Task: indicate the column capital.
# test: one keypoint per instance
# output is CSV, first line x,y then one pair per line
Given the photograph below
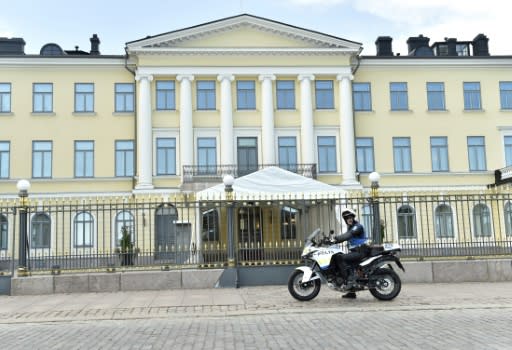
x,y
302,77
228,77
262,77
344,76
181,77
139,77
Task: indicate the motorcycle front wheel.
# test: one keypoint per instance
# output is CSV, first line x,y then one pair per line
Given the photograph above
x,y
302,291
385,284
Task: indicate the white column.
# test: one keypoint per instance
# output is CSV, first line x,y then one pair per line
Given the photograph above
x,y
186,126
267,119
347,132
144,134
306,116
226,120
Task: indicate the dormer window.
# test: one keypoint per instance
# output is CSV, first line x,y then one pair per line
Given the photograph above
x,y
51,50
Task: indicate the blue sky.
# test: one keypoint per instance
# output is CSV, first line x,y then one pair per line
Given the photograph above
x,y
71,22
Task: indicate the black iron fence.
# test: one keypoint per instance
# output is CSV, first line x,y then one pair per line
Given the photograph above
x,y
177,231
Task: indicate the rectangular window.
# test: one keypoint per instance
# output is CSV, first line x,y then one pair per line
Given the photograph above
x,y
5,97
84,97
5,155
435,97
206,95
402,154
398,93
42,159
125,97
362,96
364,155
287,153
439,153
207,155
84,158
506,94
326,154
472,99
245,94
124,158
476,153
508,150
324,90
165,95
42,98
285,91
166,156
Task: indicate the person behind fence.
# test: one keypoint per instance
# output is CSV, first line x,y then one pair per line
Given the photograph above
x,y
358,246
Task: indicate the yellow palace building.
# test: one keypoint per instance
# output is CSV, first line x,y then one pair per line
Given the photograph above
x,y
179,110
246,91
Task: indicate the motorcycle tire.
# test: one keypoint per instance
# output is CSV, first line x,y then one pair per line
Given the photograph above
x,y
302,291
385,284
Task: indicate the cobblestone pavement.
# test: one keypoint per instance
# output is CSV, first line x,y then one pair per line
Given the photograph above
x,y
424,316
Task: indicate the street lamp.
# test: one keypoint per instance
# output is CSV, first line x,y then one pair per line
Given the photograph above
x,y
232,272
374,178
23,186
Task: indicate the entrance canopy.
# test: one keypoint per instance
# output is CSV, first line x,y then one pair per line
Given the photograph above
x,y
273,183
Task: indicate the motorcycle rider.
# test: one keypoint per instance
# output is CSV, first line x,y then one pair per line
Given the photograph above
x,y
358,246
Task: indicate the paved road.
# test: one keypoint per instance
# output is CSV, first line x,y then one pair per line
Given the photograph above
x,y
424,316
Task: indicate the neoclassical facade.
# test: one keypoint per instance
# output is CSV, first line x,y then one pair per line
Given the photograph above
x,y
183,108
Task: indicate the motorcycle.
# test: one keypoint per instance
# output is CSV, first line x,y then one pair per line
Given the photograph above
x,y
374,272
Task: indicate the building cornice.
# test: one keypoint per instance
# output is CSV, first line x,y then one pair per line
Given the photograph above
x,y
240,71
415,62
229,51
38,61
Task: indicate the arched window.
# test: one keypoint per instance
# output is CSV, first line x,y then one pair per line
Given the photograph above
x,y
406,222
40,233
481,221
124,218
444,221
3,231
83,229
508,218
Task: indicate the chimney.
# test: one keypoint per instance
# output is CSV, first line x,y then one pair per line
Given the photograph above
x,y
414,43
12,46
480,45
384,47
451,43
95,45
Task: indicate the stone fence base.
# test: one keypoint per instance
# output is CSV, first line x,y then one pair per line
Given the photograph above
x,y
447,271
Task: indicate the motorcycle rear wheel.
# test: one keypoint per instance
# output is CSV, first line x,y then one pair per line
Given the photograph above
x,y
302,291
385,284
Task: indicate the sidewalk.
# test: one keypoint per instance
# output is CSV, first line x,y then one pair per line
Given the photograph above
x,y
235,302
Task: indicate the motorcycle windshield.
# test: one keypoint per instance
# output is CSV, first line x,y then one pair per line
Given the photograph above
x,y
312,236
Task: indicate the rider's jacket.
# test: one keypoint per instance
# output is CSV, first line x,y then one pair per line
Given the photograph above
x,y
355,235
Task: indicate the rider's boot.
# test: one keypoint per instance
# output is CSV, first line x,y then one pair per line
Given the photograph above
x,y
349,295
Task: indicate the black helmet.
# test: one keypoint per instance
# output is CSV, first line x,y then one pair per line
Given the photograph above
x,y
348,213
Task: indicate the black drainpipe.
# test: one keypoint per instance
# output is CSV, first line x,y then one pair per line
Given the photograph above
x,y
126,56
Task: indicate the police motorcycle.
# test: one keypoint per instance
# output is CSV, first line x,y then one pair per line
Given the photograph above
x,y
374,273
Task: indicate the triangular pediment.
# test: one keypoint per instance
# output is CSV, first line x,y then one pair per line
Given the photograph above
x,y
243,32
